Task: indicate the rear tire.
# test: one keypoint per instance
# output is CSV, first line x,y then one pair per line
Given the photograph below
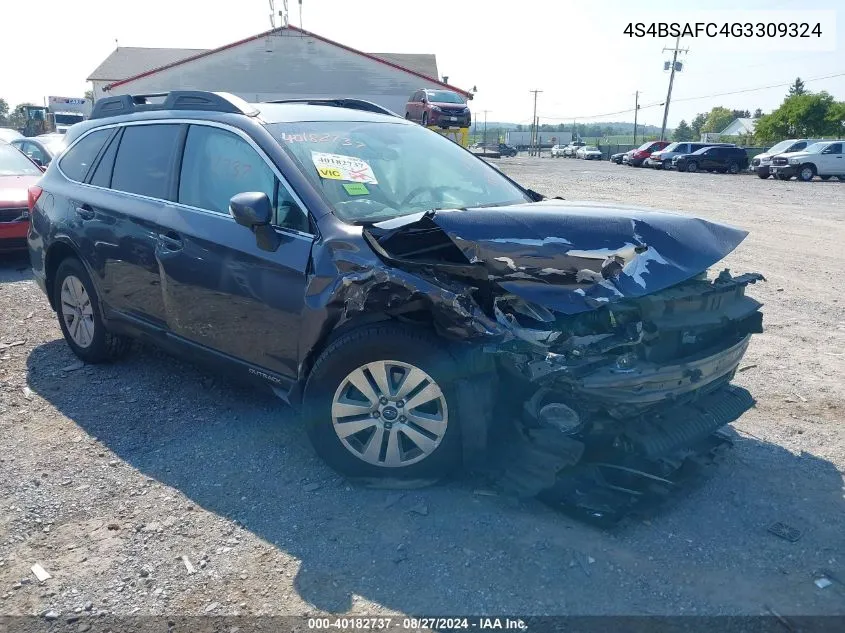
x,y
763,175
733,168
825,177
78,309
422,440
692,167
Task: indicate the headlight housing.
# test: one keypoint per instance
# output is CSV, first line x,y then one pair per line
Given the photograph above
x,y
794,161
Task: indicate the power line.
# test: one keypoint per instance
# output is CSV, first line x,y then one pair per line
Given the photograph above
x,y
698,98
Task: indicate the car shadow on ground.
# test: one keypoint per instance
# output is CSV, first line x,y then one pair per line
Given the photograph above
x,y
240,453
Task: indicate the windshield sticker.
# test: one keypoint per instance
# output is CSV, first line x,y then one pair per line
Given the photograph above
x,y
321,138
340,167
356,189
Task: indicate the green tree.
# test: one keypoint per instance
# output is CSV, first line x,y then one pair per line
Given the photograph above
x,y
4,111
718,119
805,115
797,88
698,124
741,114
683,132
758,113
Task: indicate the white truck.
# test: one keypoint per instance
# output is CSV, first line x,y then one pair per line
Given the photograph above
x,y
67,111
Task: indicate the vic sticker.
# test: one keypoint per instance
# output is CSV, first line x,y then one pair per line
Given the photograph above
x,y
340,167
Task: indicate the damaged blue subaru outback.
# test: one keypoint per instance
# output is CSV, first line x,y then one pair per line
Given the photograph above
x,y
412,301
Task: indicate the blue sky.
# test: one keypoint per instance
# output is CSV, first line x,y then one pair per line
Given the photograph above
x,y
575,51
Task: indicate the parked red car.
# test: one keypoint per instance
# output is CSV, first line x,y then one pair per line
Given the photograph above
x,y
443,108
17,174
638,156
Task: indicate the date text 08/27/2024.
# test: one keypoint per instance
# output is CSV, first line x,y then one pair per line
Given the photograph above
x,y
416,623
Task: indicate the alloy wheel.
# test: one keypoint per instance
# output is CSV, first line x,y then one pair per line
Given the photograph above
x,y
77,311
389,413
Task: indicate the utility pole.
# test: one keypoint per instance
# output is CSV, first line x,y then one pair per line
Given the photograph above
x,y
485,128
636,111
675,52
534,121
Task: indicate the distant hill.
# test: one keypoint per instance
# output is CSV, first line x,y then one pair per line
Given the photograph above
x,y
612,128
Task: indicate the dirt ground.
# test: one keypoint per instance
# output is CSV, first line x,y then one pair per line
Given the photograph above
x,y
154,487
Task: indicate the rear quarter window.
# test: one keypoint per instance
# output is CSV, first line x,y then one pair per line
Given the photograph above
x,y
79,158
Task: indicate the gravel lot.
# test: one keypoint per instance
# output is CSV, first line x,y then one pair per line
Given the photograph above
x,y
153,487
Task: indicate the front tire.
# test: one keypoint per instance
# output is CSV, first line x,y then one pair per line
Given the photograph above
x,y
692,167
733,168
78,309
806,173
380,402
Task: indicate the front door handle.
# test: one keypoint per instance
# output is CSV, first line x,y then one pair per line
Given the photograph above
x,y
85,212
171,241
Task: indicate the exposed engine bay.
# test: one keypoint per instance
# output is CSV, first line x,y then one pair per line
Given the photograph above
x,y
598,329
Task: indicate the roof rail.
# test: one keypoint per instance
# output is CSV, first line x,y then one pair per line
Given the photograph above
x,y
174,100
341,102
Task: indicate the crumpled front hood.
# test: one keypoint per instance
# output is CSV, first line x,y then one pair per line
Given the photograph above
x,y
567,256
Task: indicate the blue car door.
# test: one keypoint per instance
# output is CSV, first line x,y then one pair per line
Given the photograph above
x,y
221,291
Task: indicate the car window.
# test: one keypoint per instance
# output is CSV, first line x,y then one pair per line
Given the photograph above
x,y
145,159
835,148
103,171
33,151
218,164
78,160
798,146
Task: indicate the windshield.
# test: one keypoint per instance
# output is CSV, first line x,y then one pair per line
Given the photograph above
x,y
781,147
670,147
13,163
374,171
815,148
8,134
591,148
443,96
68,119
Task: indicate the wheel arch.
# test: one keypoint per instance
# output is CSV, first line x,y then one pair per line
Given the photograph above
x,y
57,252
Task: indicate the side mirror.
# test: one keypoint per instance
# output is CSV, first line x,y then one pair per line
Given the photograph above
x,y
253,210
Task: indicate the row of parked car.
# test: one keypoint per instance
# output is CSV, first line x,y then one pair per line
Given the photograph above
x,y
799,158
576,149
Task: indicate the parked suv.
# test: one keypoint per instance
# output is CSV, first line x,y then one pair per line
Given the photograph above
x,y
441,108
384,280
662,159
722,159
761,163
823,159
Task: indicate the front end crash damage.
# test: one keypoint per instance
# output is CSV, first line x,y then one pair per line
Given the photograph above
x,y
612,346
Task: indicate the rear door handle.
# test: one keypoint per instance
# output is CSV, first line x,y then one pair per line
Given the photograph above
x,y
171,241
85,212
